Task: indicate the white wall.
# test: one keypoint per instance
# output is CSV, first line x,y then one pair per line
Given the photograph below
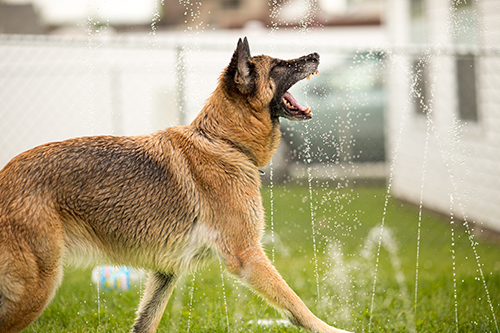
x,y
459,170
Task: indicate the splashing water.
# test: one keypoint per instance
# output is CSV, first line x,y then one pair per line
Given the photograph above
x,y
98,305
312,210
384,213
454,196
224,292
155,20
91,46
454,268
192,11
426,106
190,305
341,272
271,218
450,162
383,237
91,30
303,22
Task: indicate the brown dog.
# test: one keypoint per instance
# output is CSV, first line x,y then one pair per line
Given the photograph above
x,y
164,202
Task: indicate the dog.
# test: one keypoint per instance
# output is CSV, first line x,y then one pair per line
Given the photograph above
x,y
165,202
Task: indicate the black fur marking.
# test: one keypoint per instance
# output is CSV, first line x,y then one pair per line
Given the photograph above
x,y
239,75
286,73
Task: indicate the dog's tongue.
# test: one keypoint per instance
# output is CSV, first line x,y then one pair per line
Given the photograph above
x,y
289,97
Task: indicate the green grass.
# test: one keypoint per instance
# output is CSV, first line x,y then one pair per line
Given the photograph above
x,y
207,300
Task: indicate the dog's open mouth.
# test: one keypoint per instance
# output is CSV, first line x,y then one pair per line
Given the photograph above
x,y
297,111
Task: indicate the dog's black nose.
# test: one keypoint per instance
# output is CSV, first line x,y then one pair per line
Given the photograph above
x,y
313,57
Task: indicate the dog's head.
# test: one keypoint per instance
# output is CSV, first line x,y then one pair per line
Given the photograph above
x,y
264,81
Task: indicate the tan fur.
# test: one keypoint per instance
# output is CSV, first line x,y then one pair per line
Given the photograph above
x,y
165,202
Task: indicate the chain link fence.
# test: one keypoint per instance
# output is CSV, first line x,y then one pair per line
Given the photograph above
x,y
54,88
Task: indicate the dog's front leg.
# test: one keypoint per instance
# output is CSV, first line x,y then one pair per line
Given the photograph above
x,y
254,268
158,290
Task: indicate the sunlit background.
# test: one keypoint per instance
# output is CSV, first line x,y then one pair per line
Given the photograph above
x,y
407,100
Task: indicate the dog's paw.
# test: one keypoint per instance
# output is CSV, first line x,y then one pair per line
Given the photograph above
x,y
329,329
336,330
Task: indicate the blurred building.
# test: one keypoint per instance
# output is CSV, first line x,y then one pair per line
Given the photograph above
x,y
36,16
444,106
19,19
230,14
223,14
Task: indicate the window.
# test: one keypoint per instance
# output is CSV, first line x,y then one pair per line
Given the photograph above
x,y
231,4
465,32
418,35
466,84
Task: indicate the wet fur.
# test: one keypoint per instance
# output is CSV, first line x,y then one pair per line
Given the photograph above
x,y
164,202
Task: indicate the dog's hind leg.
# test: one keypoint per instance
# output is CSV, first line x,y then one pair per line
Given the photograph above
x,y
27,284
255,269
158,290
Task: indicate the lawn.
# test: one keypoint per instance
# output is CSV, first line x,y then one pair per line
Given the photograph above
x,y
335,273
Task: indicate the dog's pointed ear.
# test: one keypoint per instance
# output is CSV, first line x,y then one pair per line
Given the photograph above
x,y
240,58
